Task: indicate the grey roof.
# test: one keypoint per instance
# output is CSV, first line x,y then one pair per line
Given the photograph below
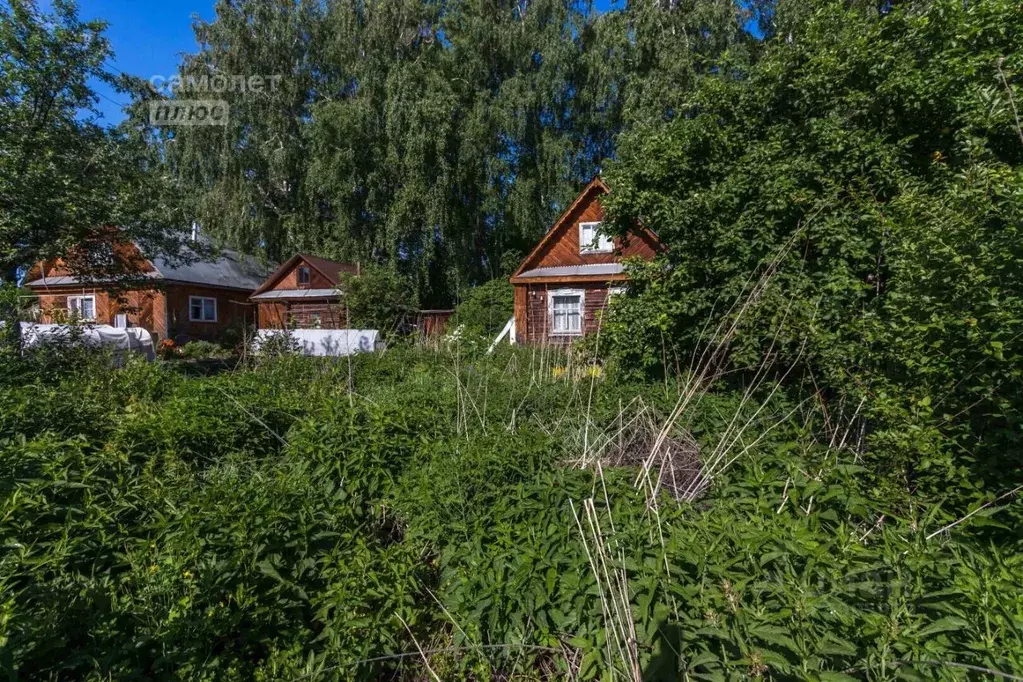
x,y
576,270
231,270
295,293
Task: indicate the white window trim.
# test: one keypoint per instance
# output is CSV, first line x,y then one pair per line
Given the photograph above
x,y
202,306
71,310
581,293
583,248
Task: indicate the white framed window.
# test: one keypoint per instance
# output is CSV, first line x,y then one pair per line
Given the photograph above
x,y
83,307
591,241
202,309
565,308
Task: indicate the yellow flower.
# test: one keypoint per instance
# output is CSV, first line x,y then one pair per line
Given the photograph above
x,y
153,568
558,372
187,574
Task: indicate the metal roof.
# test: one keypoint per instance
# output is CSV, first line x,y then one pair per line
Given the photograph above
x,y
593,269
295,293
231,270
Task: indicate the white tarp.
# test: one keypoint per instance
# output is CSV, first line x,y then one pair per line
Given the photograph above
x,y
325,342
99,335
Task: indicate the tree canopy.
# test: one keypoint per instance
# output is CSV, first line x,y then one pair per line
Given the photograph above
x,y
64,177
439,139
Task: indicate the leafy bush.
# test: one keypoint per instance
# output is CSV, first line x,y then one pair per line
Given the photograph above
x,y
485,309
291,520
881,206
376,299
203,350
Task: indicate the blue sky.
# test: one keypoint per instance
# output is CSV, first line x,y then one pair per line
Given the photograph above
x,y
148,37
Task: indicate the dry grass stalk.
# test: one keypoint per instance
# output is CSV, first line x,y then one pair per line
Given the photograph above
x,y
607,561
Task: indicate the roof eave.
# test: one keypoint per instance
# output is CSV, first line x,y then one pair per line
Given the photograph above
x,y
554,279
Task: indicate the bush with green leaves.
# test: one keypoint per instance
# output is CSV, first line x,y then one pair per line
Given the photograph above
x,y
485,309
311,518
203,350
376,298
870,169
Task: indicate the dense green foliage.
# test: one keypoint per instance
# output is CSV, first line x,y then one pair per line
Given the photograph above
x,y
376,299
434,137
485,309
874,167
852,182
63,175
292,520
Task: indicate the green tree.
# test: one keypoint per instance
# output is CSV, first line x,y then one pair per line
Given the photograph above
x,y
880,157
430,137
64,178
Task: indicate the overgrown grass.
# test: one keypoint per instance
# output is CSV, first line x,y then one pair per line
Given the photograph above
x,y
426,515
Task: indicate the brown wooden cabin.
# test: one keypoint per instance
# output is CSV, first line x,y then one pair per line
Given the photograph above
x,y
303,294
563,285
200,300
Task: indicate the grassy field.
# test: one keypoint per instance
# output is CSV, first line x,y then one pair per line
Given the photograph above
x,y
426,515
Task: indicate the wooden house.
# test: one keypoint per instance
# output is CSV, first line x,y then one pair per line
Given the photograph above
x,y
303,294
200,300
563,285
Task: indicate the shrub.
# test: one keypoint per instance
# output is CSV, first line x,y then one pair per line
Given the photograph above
x,y
203,350
377,299
485,309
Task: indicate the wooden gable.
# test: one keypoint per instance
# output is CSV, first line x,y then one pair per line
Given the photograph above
x,y
560,246
323,274
128,256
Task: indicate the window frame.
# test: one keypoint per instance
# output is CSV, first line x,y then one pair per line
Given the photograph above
x,y
598,245
551,325
202,308
80,298
304,270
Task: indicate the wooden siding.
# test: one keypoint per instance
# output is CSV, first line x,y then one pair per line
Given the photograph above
x,y
299,314
560,247
143,308
289,280
563,248
233,312
537,322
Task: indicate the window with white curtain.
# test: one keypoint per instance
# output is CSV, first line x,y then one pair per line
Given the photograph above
x,y
566,312
202,309
83,307
590,241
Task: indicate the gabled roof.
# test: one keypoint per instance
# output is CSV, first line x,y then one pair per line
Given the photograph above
x,y
231,270
595,185
590,272
330,269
